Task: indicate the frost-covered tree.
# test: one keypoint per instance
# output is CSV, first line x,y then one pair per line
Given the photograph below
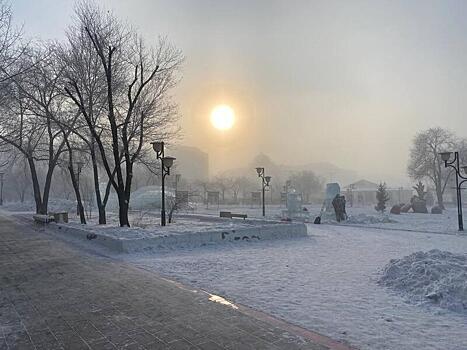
x,y
382,197
425,162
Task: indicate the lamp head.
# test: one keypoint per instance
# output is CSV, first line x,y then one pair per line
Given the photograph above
x,y
260,171
158,146
167,162
445,156
267,179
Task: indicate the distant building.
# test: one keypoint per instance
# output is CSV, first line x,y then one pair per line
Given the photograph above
x,y
191,163
363,193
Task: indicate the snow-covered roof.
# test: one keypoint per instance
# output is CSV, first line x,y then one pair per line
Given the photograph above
x,y
363,185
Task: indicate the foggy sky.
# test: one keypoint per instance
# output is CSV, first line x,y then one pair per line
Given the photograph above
x,y
348,82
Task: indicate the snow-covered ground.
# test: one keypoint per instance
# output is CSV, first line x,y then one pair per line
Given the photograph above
x,y
327,282
358,216
363,216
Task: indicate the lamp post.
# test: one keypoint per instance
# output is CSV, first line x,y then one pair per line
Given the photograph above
x,y
1,188
288,183
265,180
79,166
166,164
445,157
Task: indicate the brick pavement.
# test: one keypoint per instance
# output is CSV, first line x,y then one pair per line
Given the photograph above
x,y
56,296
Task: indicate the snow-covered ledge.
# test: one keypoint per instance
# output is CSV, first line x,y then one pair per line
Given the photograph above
x,y
203,231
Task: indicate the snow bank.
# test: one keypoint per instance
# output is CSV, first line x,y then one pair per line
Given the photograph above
x,y
362,219
369,219
438,277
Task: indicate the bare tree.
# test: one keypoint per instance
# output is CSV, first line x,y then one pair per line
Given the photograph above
x,y
139,107
83,69
425,162
223,183
11,49
307,183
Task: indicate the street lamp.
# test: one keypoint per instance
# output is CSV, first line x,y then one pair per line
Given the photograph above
x,y
265,180
1,188
79,166
445,157
288,183
166,164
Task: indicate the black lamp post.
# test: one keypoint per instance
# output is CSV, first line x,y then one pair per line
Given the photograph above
x,y
445,156
1,188
288,183
166,164
79,166
265,180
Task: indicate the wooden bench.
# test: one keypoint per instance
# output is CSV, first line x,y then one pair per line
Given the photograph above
x,y
228,214
42,219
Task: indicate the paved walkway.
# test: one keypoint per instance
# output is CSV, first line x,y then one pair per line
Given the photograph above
x,y
55,296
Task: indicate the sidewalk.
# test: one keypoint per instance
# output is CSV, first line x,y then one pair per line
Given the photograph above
x,y
54,296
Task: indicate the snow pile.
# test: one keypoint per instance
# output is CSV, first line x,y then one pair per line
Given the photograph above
x,y
369,219
436,276
364,219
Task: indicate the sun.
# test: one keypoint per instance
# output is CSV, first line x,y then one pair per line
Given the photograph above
x,y
222,117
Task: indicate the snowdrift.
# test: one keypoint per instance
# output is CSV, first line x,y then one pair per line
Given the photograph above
x,y
360,219
437,277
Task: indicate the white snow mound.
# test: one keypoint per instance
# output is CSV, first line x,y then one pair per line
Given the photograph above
x,y
369,219
436,276
361,219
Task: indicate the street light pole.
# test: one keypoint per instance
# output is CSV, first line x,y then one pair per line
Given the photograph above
x,y
265,180
445,156
287,185
166,164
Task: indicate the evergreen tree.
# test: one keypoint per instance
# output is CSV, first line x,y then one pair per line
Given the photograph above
x,y
382,197
420,189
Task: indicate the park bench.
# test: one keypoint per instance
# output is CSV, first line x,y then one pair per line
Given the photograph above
x,y
42,219
228,214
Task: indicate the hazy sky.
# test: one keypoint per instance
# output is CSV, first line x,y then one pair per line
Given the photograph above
x,y
349,82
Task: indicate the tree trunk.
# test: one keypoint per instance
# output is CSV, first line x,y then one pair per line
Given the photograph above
x,y
75,184
439,195
123,203
47,185
35,186
100,204
102,214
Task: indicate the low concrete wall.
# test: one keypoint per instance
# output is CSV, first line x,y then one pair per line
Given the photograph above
x,y
86,233
193,239
257,232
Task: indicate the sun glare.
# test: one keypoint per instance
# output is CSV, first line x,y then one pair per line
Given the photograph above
x,y
222,117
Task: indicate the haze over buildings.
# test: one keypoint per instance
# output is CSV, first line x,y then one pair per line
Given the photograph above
x,y
310,81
